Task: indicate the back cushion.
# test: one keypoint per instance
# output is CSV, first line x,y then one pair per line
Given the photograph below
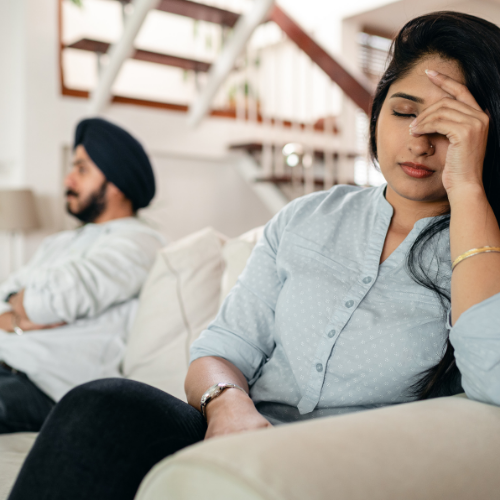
x,y
235,254
177,302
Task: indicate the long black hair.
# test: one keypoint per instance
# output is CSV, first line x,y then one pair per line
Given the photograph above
x,y
474,44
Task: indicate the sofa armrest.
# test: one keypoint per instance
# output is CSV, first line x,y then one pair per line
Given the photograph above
x,y
447,448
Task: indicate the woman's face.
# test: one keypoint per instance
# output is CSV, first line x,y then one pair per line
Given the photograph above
x,y
413,166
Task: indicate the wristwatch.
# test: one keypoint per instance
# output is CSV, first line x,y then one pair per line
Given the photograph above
x,y
213,392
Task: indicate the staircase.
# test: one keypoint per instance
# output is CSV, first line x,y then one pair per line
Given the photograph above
x,y
284,89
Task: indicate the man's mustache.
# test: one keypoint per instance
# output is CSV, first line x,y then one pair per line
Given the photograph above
x,y
70,192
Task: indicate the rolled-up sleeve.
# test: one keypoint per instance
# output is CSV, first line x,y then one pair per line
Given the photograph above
x,y
112,272
243,331
476,339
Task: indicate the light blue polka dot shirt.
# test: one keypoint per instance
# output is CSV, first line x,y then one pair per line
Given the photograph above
x,y
319,327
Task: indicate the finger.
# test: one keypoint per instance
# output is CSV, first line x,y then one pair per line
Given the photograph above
x,y
450,114
456,89
454,131
449,103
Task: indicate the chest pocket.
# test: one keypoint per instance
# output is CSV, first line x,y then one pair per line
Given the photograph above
x,y
319,257
314,258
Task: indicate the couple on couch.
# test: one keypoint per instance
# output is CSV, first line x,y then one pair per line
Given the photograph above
x,y
353,299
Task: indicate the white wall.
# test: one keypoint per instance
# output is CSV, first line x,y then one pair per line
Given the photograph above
x,y
194,193
11,95
11,104
393,16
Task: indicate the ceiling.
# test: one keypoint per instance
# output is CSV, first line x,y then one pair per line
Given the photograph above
x,y
391,17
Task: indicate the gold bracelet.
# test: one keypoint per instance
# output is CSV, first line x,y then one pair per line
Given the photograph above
x,y
471,253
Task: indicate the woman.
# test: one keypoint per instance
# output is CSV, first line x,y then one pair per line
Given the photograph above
x,y
344,303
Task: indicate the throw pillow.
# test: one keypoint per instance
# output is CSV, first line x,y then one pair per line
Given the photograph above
x,y
236,253
178,300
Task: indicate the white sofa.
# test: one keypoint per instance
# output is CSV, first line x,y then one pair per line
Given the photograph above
x,y
441,449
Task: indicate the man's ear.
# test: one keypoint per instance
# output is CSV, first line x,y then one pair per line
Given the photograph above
x,y
113,192
115,195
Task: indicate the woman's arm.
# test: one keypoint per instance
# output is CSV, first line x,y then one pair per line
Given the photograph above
x,y
473,225
230,412
475,288
238,343
475,284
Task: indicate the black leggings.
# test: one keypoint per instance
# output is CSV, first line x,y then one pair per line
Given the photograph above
x,y
23,406
101,440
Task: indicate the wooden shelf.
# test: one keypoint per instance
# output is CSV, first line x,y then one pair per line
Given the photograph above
x,y
198,11
142,55
338,74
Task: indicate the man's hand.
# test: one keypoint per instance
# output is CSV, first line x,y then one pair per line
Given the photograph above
x,y
6,322
231,412
21,318
16,302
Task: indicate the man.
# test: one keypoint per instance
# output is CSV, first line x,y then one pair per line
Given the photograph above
x,y
65,315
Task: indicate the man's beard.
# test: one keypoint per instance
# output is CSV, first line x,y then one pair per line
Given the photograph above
x,y
95,206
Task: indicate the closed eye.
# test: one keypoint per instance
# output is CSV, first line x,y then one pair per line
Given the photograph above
x,y
395,113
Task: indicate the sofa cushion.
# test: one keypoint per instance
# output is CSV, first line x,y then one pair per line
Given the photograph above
x,y
445,448
13,450
178,300
235,253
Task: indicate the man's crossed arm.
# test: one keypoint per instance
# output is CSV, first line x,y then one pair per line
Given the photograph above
x,y
17,317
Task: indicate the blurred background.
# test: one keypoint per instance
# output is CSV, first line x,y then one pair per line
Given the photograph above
x,y
242,105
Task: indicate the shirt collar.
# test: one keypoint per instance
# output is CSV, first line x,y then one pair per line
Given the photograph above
x,y
387,211
121,220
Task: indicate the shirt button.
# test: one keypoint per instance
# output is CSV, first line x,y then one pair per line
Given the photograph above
x,y
349,303
331,333
367,279
319,367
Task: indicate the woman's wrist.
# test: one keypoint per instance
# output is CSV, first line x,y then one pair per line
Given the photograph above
x,y
229,401
465,194
473,223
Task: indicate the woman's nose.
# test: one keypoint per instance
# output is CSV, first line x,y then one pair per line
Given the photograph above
x,y
421,146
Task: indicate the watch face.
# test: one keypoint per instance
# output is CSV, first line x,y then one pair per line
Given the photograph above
x,y
213,391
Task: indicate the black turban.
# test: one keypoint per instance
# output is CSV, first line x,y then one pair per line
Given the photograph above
x,y
120,157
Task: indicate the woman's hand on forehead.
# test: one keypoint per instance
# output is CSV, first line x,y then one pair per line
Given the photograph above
x,y
464,123
456,89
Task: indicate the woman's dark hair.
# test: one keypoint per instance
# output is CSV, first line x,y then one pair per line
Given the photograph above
x,y
474,44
